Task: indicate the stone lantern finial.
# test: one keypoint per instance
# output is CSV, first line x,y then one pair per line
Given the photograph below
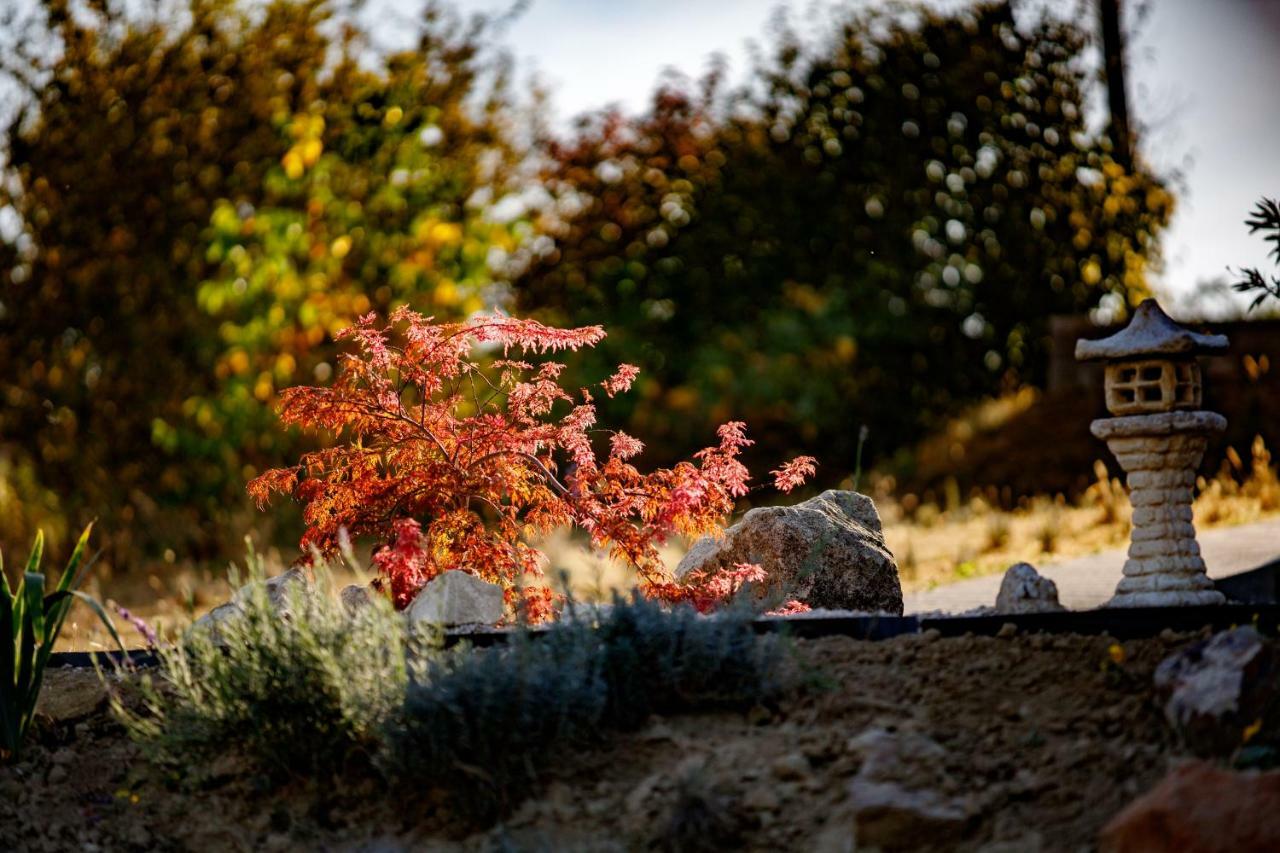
x,y
1159,435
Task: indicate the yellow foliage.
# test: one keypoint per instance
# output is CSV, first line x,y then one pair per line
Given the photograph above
x,y
293,165
310,151
445,233
1091,272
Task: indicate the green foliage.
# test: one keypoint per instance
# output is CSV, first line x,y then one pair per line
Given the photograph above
x,y
481,724
1265,218
206,190
30,621
875,230
326,690
296,695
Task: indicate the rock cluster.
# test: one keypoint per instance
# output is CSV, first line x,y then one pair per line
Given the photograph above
x,y
453,599
828,552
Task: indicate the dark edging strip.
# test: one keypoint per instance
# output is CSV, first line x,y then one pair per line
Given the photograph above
x,y
1123,624
1128,623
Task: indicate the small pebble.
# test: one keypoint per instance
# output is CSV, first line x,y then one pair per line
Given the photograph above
x,y
1007,630
791,766
762,799
931,636
57,775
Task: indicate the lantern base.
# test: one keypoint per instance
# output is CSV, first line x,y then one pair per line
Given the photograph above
x,y
1170,598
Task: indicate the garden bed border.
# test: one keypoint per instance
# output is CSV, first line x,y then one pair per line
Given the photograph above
x,y
1121,623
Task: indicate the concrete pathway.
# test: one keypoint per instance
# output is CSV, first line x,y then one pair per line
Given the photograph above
x,y
1087,582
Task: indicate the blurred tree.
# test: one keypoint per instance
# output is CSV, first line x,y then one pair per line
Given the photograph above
x,y
203,196
873,231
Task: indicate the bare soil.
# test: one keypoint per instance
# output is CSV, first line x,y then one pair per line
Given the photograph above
x,y
1045,739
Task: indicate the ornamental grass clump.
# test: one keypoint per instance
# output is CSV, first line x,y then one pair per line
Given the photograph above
x,y
298,687
481,725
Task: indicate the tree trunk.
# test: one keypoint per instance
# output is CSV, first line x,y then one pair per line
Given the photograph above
x,y
1117,100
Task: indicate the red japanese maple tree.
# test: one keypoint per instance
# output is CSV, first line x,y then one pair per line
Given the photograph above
x,y
455,449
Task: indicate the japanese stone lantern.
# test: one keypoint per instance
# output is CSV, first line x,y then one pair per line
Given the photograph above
x,y
1158,435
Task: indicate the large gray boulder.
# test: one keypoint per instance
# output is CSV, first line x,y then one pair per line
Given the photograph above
x,y
828,552
457,598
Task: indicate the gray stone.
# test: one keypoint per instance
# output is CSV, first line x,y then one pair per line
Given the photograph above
x,y
217,618
1024,590
355,597
277,588
828,552
791,766
897,756
69,694
1215,689
457,598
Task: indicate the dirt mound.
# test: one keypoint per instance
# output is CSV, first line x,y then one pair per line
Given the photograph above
x,y
1039,739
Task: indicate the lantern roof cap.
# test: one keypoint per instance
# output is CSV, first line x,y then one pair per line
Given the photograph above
x,y
1150,332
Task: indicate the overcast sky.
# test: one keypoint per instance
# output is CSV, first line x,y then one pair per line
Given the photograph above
x,y
1205,79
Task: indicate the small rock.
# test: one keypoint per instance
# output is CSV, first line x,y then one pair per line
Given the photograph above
x,y
1024,590
1214,689
63,757
893,817
1032,842
1007,630
931,636
70,694
139,836
896,756
1199,807
791,766
828,552
762,799
217,618
599,808
457,598
355,597
277,587
637,801
57,774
